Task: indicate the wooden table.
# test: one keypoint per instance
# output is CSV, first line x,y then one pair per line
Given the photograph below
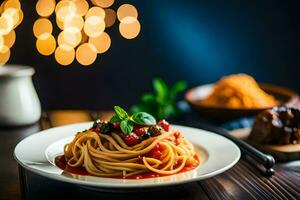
x,y
243,181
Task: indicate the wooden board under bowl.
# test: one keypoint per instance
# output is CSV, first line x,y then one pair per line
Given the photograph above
x,y
280,152
195,95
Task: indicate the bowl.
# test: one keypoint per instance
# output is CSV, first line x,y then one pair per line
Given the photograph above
x,y
195,95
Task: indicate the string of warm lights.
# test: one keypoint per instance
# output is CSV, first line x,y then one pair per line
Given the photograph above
x,y
82,27
11,16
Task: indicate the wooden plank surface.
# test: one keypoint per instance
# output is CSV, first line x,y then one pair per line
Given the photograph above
x,y
243,181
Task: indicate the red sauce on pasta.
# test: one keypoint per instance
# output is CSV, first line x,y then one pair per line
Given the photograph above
x,y
61,162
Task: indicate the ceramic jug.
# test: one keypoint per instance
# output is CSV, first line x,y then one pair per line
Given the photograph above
x,y
19,103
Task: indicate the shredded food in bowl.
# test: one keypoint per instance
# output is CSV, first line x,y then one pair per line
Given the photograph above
x,y
239,91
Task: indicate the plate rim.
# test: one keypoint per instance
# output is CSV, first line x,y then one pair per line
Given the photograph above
x,y
125,186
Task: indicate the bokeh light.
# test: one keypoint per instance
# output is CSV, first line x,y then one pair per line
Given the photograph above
x,y
13,14
4,49
4,55
103,3
127,10
42,26
9,39
2,6
60,39
60,24
83,28
129,27
11,17
102,42
75,21
86,54
46,44
65,9
95,11
45,8
12,4
71,37
94,26
110,17
82,7
6,25
64,55
21,16
1,42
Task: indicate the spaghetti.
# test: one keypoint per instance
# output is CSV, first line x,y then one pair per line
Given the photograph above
x,y
108,155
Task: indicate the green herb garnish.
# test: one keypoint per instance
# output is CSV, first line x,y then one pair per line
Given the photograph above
x,y
162,103
126,126
126,121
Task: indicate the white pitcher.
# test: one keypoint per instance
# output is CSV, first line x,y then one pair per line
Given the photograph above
x,y
19,103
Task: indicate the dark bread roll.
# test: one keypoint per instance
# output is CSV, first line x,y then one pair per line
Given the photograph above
x,y
277,126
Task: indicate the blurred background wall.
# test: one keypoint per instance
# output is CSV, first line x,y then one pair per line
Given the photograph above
x,y
195,40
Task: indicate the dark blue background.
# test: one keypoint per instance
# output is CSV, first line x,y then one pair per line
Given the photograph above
x,y
195,40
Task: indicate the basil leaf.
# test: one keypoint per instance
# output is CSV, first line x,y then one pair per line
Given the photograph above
x,y
148,98
142,107
115,118
143,118
162,103
176,88
136,108
120,112
161,89
126,127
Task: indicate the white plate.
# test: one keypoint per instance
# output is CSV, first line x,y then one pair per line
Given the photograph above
x,y
37,152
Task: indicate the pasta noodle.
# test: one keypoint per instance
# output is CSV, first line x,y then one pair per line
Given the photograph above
x,y
109,156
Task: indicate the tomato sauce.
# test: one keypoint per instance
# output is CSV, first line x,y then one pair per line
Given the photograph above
x,y
61,162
